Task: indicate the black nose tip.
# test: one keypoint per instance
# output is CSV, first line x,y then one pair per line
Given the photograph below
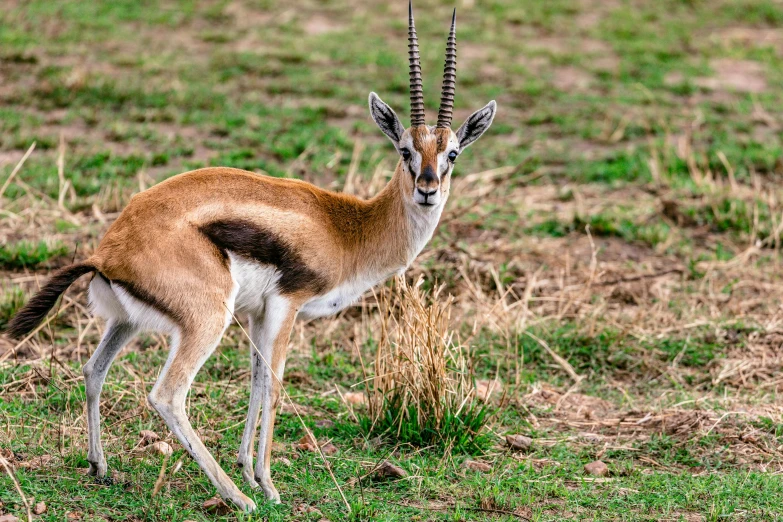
x,y
427,194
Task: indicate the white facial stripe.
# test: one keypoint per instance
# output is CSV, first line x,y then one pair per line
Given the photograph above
x,y
414,165
444,165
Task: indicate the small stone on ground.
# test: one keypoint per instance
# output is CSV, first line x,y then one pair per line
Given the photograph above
x,y
519,442
161,448
307,443
148,437
216,506
597,469
389,470
329,449
475,465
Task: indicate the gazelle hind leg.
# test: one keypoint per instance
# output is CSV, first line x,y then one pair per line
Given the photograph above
x,y
116,336
245,457
170,392
279,320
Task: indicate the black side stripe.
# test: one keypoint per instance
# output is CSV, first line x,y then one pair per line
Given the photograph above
x,y
265,247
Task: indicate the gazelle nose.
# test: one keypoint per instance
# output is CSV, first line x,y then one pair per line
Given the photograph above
x,y
428,175
427,194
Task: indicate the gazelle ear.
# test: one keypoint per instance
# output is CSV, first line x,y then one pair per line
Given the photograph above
x,y
476,124
386,119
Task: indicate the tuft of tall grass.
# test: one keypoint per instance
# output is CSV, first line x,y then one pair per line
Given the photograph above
x,y
422,391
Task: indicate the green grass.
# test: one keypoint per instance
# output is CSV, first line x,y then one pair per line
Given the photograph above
x,y
606,225
329,76
462,428
12,301
437,490
26,254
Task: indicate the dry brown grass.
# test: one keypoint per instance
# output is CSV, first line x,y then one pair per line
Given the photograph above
x,y
422,386
582,99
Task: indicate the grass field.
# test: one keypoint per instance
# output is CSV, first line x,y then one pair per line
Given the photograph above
x,y
623,213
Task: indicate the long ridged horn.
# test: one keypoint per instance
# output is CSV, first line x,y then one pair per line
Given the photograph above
x,y
417,91
449,77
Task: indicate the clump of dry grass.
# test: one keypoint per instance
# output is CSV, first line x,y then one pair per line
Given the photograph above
x,y
422,391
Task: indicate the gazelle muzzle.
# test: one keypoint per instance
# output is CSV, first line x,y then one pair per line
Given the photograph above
x,y
427,191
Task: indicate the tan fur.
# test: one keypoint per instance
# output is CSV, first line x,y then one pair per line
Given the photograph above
x,y
156,245
186,252
158,251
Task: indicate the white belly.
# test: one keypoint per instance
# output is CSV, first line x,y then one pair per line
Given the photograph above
x,y
255,283
338,298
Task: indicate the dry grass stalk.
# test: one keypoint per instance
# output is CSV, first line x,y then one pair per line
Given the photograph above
x,y
161,476
11,176
565,365
7,467
584,281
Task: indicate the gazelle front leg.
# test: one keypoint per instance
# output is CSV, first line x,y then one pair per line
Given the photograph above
x,y
279,320
259,345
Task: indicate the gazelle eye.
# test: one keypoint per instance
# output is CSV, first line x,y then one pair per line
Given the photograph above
x,y
406,154
453,156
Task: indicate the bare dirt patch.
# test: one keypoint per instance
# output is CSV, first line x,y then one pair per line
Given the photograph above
x,y
244,17
595,422
593,11
473,52
10,157
534,64
735,75
593,54
478,57
588,19
751,37
575,406
571,78
318,24
557,45
603,62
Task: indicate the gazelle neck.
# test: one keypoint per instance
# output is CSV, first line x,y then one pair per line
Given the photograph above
x,y
394,231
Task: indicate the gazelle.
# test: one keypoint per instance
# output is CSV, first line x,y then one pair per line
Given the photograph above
x,y
188,253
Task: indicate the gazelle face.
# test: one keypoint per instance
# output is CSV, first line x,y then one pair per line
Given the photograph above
x,y
428,154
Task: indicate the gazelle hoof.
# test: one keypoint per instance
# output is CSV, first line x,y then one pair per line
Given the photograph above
x,y
98,469
269,489
244,503
250,480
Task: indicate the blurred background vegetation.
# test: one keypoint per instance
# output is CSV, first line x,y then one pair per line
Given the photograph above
x,y
583,87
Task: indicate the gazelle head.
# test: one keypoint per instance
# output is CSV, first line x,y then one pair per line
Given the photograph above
x,y
428,153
